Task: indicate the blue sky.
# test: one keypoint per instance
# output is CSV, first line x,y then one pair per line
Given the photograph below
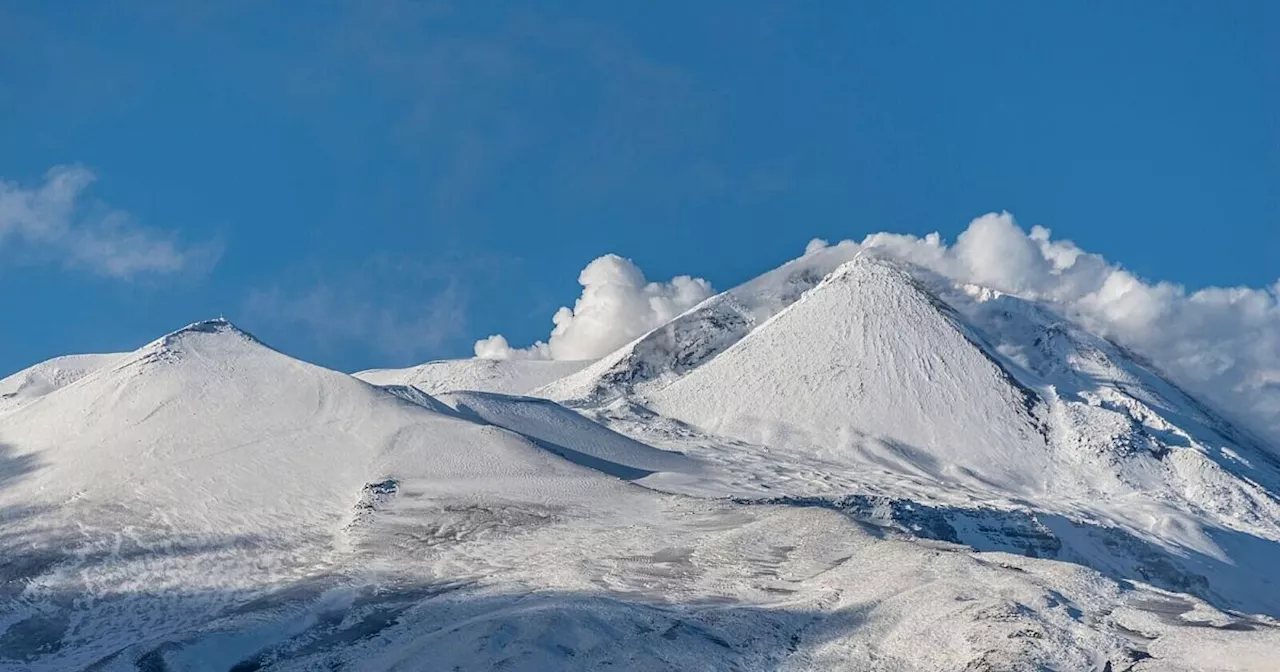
x,y
367,184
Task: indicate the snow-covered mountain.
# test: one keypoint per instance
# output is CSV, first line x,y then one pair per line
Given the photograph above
x,y
1013,408
699,334
845,463
892,375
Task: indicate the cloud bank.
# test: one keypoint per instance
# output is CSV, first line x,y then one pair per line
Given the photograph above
x,y
1222,343
617,305
50,222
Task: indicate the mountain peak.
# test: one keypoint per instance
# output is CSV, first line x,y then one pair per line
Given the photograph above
x,y
869,358
708,329
218,329
869,263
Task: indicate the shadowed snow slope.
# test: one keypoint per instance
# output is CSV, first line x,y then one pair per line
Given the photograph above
x,y
507,376
568,433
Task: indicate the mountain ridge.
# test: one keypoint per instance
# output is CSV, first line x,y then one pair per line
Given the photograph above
x,y
846,462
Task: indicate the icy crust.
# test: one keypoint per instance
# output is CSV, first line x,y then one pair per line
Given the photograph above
x,y
684,585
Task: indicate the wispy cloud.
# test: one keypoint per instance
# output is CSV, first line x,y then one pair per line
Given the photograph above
x,y
470,106
403,311
52,222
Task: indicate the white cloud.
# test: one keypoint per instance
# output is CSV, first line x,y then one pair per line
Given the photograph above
x,y
816,245
617,305
497,347
51,222
1222,343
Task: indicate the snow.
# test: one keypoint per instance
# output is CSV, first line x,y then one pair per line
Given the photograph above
x,y
846,463
165,425
48,376
568,434
897,390
507,376
698,334
885,373
206,450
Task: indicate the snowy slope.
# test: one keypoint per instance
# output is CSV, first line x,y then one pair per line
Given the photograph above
x,y
567,433
997,403
846,463
206,461
163,426
698,335
505,376
1109,408
48,376
884,372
